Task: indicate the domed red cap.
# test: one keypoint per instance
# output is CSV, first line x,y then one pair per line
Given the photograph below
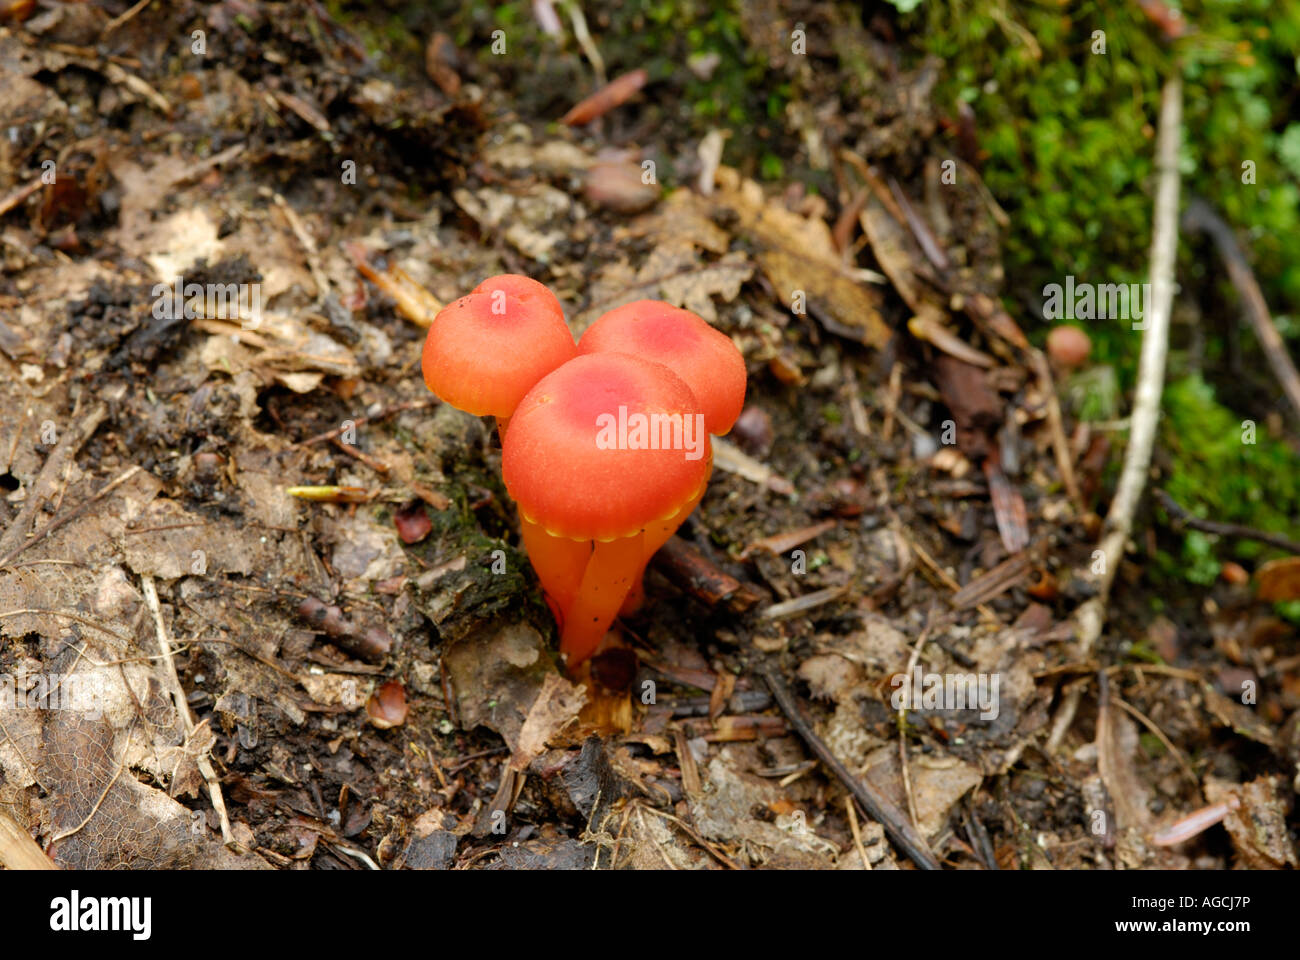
x,y
486,350
605,445
683,342
522,288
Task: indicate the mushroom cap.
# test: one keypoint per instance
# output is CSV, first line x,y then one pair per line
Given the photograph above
x,y
486,350
521,287
1068,346
684,343
570,467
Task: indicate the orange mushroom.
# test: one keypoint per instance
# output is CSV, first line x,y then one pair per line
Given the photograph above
x,y
703,357
684,343
597,452
486,350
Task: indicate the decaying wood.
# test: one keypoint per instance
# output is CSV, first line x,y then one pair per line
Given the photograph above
x,y
690,570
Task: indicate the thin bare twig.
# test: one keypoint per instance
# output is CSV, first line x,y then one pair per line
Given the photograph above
x,y
1159,734
857,833
318,275
123,18
183,706
358,421
1181,516
1091,616
881,808
1060,445
912,661
1201,216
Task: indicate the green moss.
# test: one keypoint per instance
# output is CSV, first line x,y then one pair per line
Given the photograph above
x,y
1068,135
1069,132
1152,745
1219,474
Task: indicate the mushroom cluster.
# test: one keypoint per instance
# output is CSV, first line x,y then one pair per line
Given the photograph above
x,y
605,443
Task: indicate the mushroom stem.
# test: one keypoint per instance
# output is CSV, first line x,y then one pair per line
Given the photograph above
x,y
656,535
611,571
559,563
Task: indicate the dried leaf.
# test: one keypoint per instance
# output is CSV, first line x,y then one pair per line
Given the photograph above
x,y
684,216
1279,580
673,272
1117,745
557,704
183,761
798,254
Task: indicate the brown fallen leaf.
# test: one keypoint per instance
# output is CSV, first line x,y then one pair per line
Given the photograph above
x,y
684,216
674,272
1009,510
976,408
557,705
1117,745
413,301
496,675
1237,717
930,328
1279,580
890,245
534,219
798,253
1257,824
938,782
616,92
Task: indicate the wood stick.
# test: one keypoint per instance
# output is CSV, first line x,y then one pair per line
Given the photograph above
x,y
1201,216
1181,516
183,707
1091,616
18,851
881,808
690,570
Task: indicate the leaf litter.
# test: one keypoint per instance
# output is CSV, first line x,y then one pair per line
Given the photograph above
x,y
181,437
